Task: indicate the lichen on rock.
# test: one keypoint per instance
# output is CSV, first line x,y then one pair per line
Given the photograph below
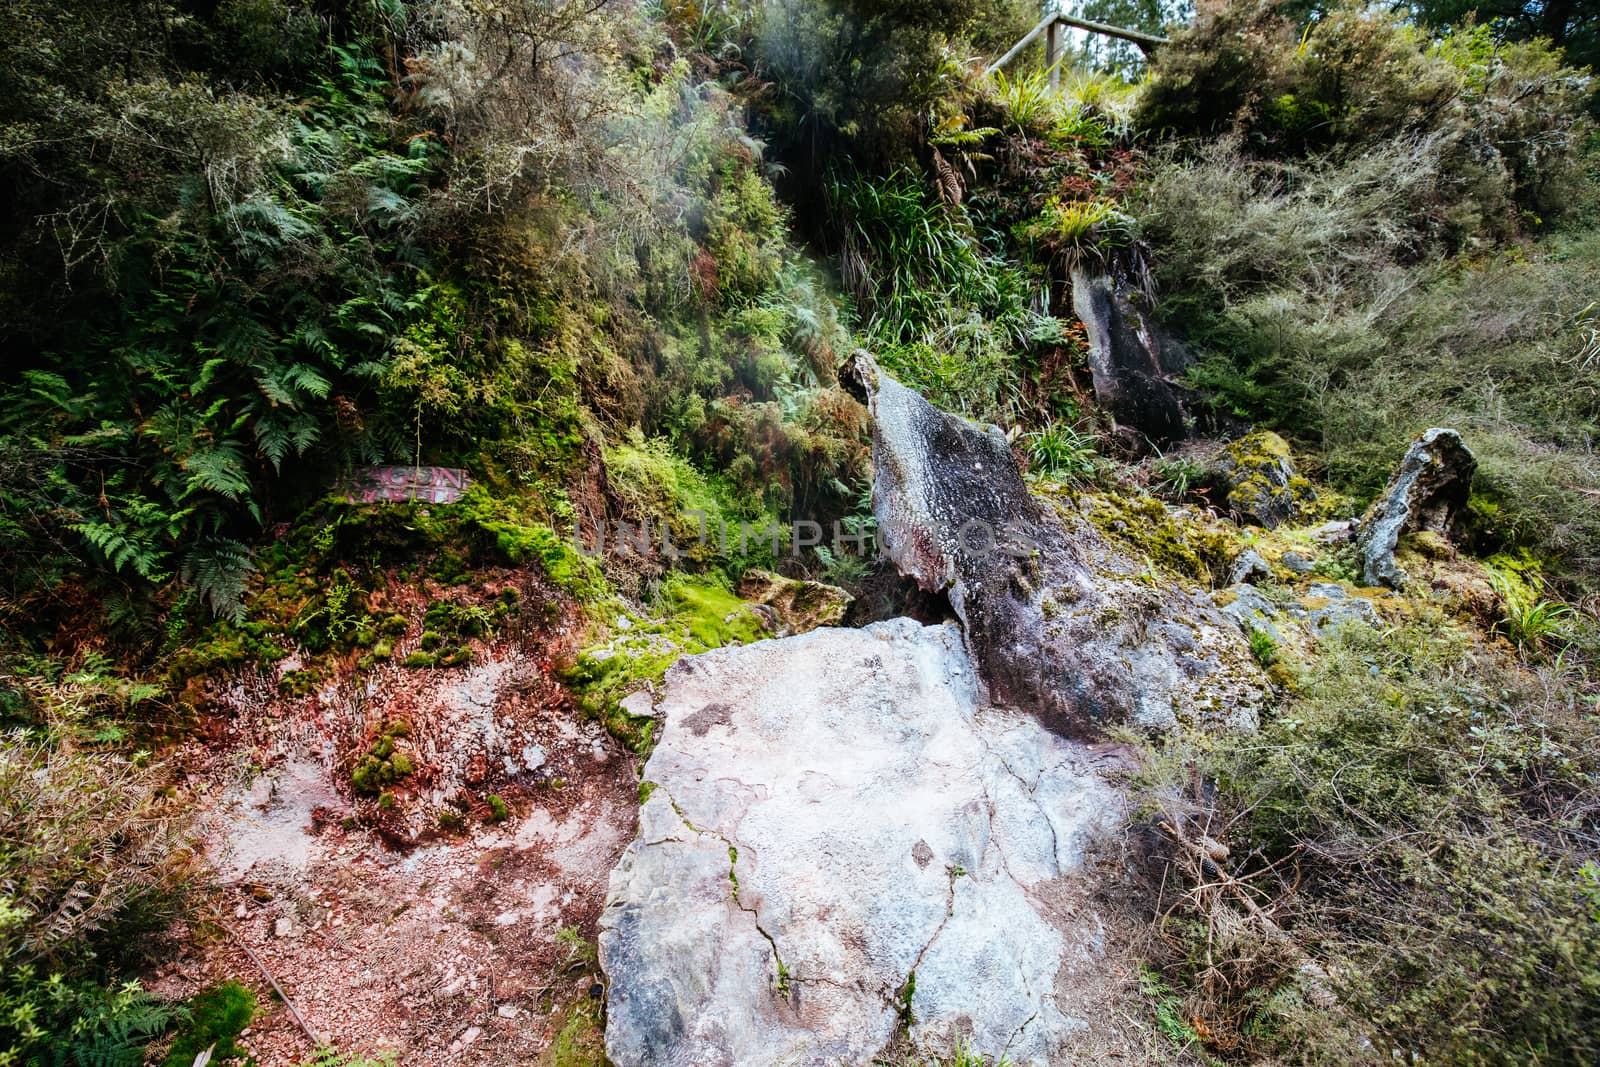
x,y
796,606
1260,483
1431,486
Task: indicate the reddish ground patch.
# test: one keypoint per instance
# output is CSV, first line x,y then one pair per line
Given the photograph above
x,y
388,930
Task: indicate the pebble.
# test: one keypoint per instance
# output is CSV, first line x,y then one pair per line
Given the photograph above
x,y
508,1011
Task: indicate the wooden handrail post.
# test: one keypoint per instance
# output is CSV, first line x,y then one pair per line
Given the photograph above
x,y
1052,54
1051,28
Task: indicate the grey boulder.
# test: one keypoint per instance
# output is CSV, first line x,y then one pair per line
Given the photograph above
x,y
1058,623
1425,495
840,846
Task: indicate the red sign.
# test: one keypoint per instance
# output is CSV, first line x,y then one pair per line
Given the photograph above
x,y
430,485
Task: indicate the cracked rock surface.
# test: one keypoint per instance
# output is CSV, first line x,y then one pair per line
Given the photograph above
x,y
1425,495
828,816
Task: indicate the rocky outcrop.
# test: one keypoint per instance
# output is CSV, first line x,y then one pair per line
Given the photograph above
x,y
841,843
1058,623
794,606
1130,358
1425,495
1259,482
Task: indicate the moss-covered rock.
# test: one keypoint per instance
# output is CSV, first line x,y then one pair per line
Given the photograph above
x,y
797,607
1259,482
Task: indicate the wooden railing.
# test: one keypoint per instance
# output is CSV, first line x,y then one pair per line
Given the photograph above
x,y
1051,29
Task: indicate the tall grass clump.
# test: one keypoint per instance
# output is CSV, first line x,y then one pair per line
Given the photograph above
x,y
944,314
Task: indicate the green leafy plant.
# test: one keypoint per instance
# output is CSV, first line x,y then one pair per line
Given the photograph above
x,y
1263,648
329,1056
217,1016
1529,621
1062,452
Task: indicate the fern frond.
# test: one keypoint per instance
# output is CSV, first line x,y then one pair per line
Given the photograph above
x,y
219,569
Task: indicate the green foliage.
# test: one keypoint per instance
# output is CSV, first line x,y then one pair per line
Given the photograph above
x,y
87,848
329,1056
944,315
690,616
1531,622
1347,288
711,522
48,1020
1036,108
862,75
216,1018
1062,452
1400,823
1263,647
251,259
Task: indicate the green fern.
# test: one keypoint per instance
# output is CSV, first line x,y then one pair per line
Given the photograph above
x,y
219,570
329,1056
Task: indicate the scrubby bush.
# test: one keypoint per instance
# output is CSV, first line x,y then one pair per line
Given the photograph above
x,y
1357,286
1394,866
90,855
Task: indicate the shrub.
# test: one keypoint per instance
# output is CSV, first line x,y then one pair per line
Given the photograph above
x,y
1390,867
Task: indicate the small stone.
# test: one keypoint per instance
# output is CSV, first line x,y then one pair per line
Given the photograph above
x,y
471,1035
1330,533
508,1011
284,927
1297,563
1247,567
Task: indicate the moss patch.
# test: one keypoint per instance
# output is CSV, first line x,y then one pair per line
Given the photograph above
x,y
1193,548
697,616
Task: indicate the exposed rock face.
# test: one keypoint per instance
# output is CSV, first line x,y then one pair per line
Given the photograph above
x,y
797,607
1247,567
1130,358
1430,487
1058,623
1260,483
832,814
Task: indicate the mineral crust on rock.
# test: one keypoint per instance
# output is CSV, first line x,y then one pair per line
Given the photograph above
x,y
839,837
1427,491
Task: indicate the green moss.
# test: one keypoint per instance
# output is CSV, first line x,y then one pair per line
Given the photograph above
x,y
1192,549
498,810
299,683
700,616
216,1019
421,660
383,764
227,648
646,787
714,616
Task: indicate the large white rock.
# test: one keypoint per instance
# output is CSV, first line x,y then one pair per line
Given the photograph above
x,y
832,814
